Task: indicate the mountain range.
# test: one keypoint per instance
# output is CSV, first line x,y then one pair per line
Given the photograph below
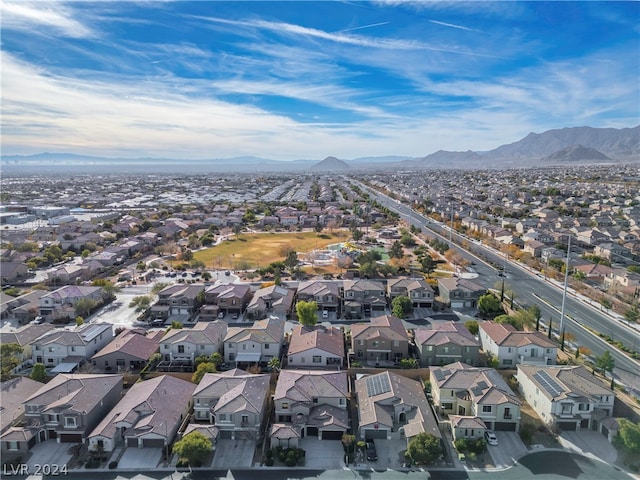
x,y
575,145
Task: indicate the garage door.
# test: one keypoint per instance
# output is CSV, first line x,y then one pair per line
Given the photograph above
x,y
132,442
71,437
371,433
568,426
226,434
505,426
457,304
312,431
152,442
331,434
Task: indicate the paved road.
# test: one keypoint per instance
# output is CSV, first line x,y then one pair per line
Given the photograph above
x,y
531,288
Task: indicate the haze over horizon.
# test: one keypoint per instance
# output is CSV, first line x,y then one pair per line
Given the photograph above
x,y
302,80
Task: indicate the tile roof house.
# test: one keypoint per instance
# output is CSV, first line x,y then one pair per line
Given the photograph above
x,y
25,307
391,406
569,397
417,289
481,392
235,402
363,298
310,403
316,346
60,303
129,351
275,300
12,271
512,347
67,409
182,300
186,344
256,344
446,342
380,341
25,336
227,298
67,349
460,292
13,392
148,416
325,293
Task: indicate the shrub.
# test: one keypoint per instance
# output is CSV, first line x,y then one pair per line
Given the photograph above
x,y
269,453
113,465
269,462
291,461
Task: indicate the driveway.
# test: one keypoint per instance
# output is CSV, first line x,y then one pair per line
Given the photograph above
x,y
509,449
390,454
50,453
322,454
234,453
588,442
140,458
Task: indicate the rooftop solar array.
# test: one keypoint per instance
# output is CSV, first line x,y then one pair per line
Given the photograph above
x,y
439,375
377,384
552,387
92,332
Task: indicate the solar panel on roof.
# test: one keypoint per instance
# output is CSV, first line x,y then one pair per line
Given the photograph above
x,y
549,384
377,384
439,375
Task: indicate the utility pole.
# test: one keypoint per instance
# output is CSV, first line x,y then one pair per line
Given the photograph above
x,y
564,294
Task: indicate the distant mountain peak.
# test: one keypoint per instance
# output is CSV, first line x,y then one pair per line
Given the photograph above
x,y
576,153
330,163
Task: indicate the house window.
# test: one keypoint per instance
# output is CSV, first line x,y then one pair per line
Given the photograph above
x,y
73,349
229,345
202,347
376,343
244,346
341,401
222,417
32,409
487,409
180,348
396,343
446,349
70,422
51,349
317,359
429,348
284,418
509,349
106,363
165,346
507,362
120,362
285,405
303,359
359,354
266,346
314,400
447,406
13,446
232,356
360,342
566,408
583,407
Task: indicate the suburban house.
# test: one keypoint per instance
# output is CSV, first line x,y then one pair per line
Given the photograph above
x,y
511,347
325,293
460,292
25,336
380,341
67,349
129,351
310,403
234,401
225,299
13,271
25,307
417,289
274,300
180,301
460,389
316,346
18,440
60,303
66,409
257,344
148,416
445,343
391,406
363,298
568,397
184,345
464,427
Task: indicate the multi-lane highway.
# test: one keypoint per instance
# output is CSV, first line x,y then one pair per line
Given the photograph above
x,y
531,288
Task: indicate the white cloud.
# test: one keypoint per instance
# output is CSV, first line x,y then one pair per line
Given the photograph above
x,y
34,16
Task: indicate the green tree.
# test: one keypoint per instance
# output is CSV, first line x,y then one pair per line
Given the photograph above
x,y
606,304
631,315
10,354
489,305
424,449
292,259
629,434
307,312
396,250
38,373
141,303
204,367
216,358
401,306
428,264
409,363
605,363
368,270
206,276
472,326
193,447
274,364
84,306
515,321
79,321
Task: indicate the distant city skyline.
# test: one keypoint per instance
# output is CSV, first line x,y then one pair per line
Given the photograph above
x,y
303,80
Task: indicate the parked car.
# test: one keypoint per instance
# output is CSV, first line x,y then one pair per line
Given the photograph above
x,y
491,438
221,315
372,455
234,316
158,322
325,314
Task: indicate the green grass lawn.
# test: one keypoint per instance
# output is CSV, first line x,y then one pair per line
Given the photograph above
x,y
257,250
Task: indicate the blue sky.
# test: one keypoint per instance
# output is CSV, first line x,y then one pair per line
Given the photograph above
x,y
303,80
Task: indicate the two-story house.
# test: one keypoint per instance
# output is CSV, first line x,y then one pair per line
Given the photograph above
x,y
129,351
310,403
24,337
391,406
66,409
569,397
148,416
184,345
18,440
183,301
417,289
380,341
65,350
60,302
276,300
511,347
225,299
363,298
325,293
478,392
460,292
256,344
444,343
234,401
317,346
